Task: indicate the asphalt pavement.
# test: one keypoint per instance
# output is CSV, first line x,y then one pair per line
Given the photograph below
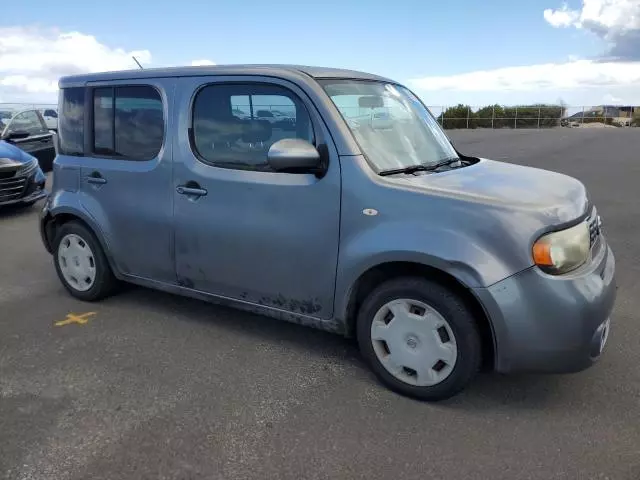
x,y
146,385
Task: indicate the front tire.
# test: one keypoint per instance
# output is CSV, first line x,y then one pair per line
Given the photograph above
x,y
419,338
81,263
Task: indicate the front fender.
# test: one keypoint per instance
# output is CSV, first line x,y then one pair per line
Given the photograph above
x,y
471,263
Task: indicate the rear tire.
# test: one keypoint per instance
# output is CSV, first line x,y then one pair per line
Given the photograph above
x,y
81,263
432,351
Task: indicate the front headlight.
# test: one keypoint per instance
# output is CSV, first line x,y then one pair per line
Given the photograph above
x,y
28,167
563,251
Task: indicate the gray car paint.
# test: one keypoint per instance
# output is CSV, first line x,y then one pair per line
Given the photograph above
x,y
308,241
277,227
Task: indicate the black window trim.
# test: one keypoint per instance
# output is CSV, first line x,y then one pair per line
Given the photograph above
x,y
315,128
90,134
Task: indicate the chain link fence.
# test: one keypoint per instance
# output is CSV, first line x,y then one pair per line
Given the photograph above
x,y
27,106
535,116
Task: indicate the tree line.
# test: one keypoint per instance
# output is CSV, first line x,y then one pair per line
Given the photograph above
x,y
497,116
528,116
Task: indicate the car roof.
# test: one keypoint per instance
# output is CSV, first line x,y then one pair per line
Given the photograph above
x,y
258,69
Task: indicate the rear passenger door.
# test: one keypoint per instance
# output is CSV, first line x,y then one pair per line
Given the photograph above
x,y
126,175
253,234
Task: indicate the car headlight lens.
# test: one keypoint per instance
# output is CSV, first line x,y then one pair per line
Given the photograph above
x,y
563,251
28,166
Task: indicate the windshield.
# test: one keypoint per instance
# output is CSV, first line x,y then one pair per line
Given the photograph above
x,y
393,128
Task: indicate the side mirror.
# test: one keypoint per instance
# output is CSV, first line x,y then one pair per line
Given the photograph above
x,y
15,135
293,155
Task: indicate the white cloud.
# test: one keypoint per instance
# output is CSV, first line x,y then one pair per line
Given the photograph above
x,y
561,18
581,73
617,22
583,81
198,63
33,59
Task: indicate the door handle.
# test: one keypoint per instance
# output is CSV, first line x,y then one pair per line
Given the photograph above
x,y
197,192
96,179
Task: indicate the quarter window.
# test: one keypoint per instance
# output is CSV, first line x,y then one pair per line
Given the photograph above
x,y
128,122
71,122
234,125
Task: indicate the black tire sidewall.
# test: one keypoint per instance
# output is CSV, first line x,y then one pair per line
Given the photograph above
x,y
456,313
104,281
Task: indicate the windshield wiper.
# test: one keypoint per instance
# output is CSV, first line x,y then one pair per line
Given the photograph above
x,y
409,169
420,167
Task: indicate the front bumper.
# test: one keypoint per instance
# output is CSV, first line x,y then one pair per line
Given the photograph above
x,y
29,198
32,191
553,324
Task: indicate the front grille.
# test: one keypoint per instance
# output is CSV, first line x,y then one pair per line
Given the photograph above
x,y
12,188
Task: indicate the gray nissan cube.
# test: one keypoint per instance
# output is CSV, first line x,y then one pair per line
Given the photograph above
x,y
351,212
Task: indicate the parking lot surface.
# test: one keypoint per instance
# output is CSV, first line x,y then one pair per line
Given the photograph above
x,y
146,385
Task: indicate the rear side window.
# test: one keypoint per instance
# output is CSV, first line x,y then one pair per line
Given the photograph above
x,y
128,122
71,121
234,125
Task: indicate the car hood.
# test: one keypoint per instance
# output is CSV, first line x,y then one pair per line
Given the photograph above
x,y
10,154
558,197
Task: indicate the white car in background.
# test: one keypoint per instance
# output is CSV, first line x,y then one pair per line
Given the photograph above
x,y
50,116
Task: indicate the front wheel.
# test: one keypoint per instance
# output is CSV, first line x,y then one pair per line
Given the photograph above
x,y
419,338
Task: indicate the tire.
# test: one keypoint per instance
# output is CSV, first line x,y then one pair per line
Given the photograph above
x,y
104,282
439,330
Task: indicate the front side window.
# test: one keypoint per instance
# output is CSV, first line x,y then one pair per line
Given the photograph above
x,y
71,122
392,127
27,121
234,125
128,122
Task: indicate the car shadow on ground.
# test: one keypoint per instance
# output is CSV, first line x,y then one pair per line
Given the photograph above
x,y
490,391
16,211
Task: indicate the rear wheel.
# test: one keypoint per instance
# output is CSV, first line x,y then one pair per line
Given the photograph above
x,y
81,264
419,338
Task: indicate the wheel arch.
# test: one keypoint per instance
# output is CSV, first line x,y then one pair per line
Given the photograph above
x,y
53,220
377,274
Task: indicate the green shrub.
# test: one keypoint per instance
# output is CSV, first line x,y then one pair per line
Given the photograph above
x,y
491,116
497,116
460,116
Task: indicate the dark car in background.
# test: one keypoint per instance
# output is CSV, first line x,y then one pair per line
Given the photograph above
x,y
21,178
28,131
277,119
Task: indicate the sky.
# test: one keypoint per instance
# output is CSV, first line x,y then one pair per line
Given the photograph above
x,y
477,52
